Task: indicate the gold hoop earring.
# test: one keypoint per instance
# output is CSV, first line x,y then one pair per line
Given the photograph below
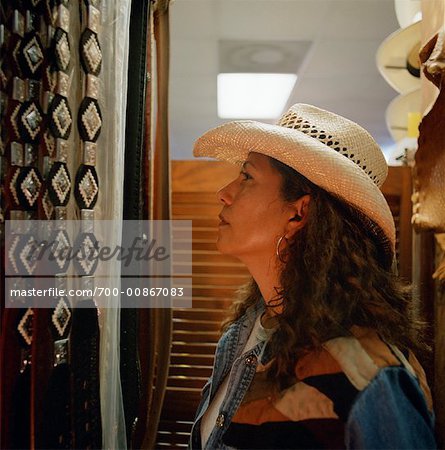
x,y
277,250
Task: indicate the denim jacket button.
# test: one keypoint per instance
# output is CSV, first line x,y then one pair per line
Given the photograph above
x,y
220,420
251,360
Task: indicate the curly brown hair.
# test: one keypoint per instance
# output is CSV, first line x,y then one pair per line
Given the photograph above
x,y
336,275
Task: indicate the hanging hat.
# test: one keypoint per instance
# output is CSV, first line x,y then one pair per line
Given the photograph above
x,y
408,12
397,113
398,59
333,152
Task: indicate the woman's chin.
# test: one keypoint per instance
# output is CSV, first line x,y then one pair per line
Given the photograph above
x,y
220,247
224,247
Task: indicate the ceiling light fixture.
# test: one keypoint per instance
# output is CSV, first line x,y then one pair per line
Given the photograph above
x,y
253,95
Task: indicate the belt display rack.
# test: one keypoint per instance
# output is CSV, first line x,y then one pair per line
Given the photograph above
x,y
55,138
51,355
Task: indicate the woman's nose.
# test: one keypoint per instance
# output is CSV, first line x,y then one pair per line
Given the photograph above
x,y
225,194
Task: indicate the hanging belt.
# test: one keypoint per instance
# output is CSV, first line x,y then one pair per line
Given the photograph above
x,y
135,147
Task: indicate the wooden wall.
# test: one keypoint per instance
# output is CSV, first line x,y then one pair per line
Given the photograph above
x,y
428,255
215,279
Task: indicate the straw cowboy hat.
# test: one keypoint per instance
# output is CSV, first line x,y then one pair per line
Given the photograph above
x,y
333,152
397,113
408,12
398,59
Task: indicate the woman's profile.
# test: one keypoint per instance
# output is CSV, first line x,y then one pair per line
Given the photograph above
x,y
319,350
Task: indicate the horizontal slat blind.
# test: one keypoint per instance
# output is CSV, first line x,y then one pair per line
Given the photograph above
x,y
215,278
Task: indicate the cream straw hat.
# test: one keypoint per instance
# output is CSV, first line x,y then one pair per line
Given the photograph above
x,y
398,59
397,113
333,152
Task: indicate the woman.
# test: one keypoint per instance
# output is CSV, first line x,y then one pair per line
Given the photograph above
x,y
318,351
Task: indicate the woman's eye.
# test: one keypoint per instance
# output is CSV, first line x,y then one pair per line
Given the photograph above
x,y
245,175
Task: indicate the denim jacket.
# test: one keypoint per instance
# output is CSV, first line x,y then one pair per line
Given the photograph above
x,y
391,412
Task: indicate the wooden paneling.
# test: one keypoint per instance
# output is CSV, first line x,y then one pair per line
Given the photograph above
x,y
215,279
397,190
205,177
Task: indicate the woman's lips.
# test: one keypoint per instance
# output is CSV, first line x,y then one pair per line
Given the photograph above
x,y
222,221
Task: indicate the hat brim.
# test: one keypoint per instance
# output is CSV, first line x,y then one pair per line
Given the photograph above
x,y
325,167
392,57
397,113
406,12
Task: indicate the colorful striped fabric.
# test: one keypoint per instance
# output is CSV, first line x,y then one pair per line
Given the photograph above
x,y
313,411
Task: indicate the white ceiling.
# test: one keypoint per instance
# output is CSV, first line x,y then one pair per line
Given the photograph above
x,y
338,72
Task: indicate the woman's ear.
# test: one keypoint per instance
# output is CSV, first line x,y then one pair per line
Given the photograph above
x,y
299,215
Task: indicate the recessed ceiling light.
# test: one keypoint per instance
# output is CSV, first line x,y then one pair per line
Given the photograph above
x,y
253,95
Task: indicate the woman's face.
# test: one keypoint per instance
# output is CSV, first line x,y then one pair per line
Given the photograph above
x,y
254,215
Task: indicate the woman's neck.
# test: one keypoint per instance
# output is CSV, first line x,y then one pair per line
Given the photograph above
x,y
267,278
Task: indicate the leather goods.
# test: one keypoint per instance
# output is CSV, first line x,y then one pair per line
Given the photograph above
x,y
134,388
49,360
85,337
429,186
23,56
160,319
85,368
29,120
89,119
59,184
16,381
90,52
54,374
61,49
31,55
60,117
86,187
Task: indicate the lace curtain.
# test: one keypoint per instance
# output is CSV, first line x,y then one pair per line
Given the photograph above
x,y
115,41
